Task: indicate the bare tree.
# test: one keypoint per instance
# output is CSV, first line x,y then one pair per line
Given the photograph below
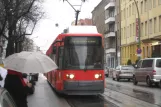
x,y
18,18
27,44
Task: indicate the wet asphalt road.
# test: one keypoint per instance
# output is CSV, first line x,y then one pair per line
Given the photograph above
x,y
89,101
44,96
125,94
117,94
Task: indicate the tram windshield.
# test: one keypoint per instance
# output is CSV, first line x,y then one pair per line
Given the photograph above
x,y
83,53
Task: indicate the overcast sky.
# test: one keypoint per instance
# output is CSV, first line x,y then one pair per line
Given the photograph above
x,y
57,11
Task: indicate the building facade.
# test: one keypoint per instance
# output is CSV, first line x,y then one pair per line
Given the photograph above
x,y
82,22
98,19
117,31
150,27
110,37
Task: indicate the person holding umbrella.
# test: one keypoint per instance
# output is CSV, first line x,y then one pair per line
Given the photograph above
x,y
24,62
17,87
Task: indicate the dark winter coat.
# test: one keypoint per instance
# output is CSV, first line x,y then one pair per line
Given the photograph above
x,y
16,86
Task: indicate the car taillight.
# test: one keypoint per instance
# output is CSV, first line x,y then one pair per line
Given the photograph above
x,y
154,72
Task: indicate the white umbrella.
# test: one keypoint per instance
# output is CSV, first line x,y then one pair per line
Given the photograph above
x,y
30,62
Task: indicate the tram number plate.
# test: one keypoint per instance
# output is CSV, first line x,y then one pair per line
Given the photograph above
x,y
85,83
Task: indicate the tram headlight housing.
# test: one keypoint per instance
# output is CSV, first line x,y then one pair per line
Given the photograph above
x,y
97,76
70,76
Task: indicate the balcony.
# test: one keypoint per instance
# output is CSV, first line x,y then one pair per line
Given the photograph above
x,y
110,20
110,34
110,4
110,50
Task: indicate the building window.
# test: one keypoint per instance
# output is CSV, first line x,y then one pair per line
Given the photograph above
x,y
142,29
127,12
146,5
124,13
134,29
150,26
133,8
128,33
160,23
141,7
155,25
112,27
130,10
150,4
130,30
154,3
159,2
146,28
121,15
111,13
124,32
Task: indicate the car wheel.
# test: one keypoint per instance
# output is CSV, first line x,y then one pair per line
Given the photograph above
x,y
157,84
129,80
113,78
148,81
118,78
135,82
106,75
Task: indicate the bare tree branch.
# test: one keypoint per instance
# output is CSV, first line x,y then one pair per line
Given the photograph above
x,y
28,10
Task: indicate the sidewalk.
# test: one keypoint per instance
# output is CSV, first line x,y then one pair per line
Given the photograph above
x,y
44,96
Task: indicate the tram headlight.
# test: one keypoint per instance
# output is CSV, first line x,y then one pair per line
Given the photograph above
x,y
70,76
98,76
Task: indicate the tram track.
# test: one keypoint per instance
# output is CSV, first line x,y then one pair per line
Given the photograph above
x,y
88,101
146,97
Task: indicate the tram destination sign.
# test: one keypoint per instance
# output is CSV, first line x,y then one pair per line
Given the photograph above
x,y
83,41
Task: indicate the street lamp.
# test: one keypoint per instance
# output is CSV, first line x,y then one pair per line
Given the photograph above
x,y
139,41
77,11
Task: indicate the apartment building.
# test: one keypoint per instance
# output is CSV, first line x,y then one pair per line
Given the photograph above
x,y
98,19
150,26
117,31
110,37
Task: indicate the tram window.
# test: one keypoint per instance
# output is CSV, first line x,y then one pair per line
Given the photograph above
x,y
60,63
54,50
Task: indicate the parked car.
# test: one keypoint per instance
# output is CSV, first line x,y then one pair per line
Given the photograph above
x,y
123,72
35,76
5,99
148,70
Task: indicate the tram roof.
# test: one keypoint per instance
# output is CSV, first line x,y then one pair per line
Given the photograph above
x,y
82,29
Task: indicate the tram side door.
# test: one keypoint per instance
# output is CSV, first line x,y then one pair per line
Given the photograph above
x,y
54,57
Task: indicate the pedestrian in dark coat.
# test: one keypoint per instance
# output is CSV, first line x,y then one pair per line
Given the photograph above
x,y
16,86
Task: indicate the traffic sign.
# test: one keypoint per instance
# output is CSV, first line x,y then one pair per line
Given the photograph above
x,y
139,55
138,51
